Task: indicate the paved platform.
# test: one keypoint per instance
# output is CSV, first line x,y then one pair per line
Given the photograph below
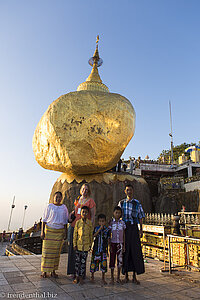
x,y
20,279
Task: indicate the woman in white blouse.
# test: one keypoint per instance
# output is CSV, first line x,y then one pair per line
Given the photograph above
x,y
53,232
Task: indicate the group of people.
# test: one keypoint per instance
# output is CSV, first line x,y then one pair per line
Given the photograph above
x,y
11,237
122,166
119,238
37,226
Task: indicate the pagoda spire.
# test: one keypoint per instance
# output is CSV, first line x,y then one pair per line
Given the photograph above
x,y
94,82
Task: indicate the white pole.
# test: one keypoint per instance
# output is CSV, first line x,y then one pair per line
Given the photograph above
x,y
25,207
12,207
171,135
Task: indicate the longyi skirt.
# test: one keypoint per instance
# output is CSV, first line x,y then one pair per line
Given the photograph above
x,y
51,249
133,257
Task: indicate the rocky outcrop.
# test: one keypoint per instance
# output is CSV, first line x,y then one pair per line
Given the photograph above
x,y
84,132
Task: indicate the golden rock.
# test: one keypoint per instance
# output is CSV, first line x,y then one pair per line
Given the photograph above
x,y
85,132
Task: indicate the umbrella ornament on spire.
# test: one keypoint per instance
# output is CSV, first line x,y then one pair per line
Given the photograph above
x,y
95,59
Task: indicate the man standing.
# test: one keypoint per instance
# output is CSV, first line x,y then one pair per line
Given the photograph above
x,y
132,214
131,165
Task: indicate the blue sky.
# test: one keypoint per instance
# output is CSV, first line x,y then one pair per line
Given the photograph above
x,y
151,55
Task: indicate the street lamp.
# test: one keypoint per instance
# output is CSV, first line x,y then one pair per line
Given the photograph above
x,y
25,207
171,135
12,207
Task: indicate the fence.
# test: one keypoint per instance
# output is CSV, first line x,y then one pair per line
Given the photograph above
x,y
192,218
183,252
159,219
192,179
29,246
158,242
32,244
155,243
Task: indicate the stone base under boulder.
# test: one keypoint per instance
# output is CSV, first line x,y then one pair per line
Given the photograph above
x,y
107,190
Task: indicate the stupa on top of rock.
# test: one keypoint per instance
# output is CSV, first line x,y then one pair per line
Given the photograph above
x,y
85,132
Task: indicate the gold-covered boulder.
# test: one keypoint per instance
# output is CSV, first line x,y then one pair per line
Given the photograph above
x,y
86,131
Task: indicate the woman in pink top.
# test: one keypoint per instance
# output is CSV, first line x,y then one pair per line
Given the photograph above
x,y
83,200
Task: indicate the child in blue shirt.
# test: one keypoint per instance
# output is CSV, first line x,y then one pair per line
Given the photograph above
x,y
100,249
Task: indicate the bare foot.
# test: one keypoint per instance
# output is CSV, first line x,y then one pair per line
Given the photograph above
x,y
43,275
135,281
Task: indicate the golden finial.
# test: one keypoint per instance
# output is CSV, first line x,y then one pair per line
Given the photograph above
x,y
96,60
97,41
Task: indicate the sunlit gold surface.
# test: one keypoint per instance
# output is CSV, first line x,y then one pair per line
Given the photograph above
x,y
103,177
84,132
92,86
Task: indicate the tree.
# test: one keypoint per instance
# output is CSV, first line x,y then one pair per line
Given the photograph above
x,y
178,150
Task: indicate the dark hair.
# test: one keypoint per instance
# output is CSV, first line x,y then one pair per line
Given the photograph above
x,y
85,207
117,208
128,185
101,216
58,193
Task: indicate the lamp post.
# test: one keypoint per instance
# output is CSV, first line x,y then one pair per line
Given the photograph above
x,y
25,208
171,135
12,207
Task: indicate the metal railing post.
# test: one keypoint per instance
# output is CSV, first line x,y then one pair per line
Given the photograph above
x,y
169,246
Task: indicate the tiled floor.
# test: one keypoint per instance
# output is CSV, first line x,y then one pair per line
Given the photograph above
x,y
20,279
